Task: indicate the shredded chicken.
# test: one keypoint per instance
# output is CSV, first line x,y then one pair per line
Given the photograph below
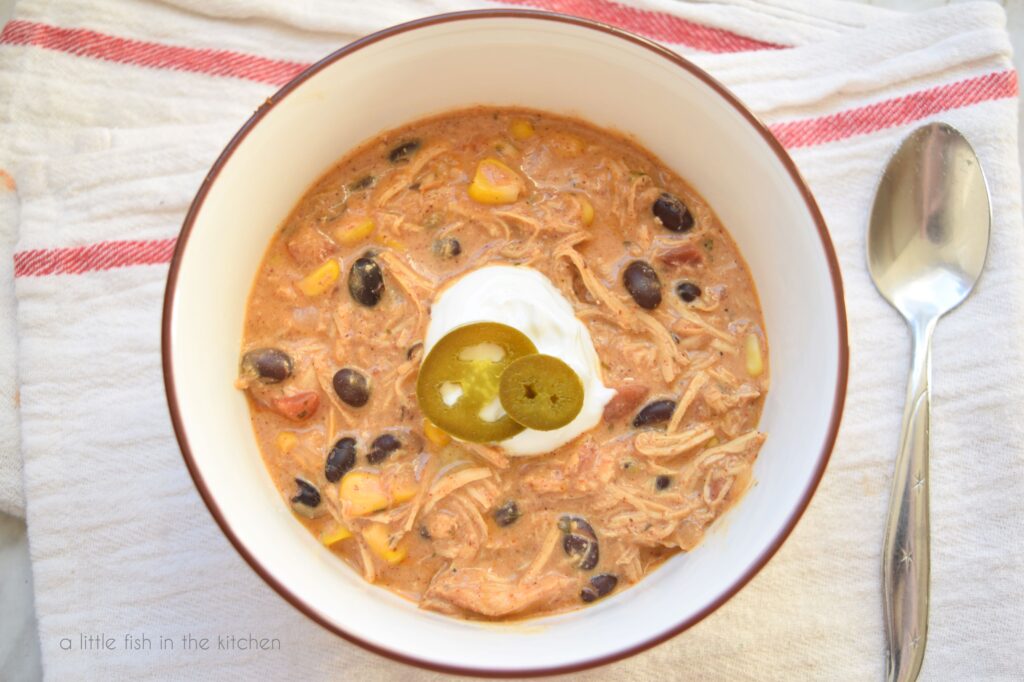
x,y
655,444
690,319
590,467
629,318
369,570
724,377
311,247
721,402
471,530
520,248
634,187
547,548
481,591
460,538
494,226
442,525
699,380
623,315
402,375
724,347
414,286
737,445
452,482
586,470
426,480
490,455
715,488
404,178
737,449
546,481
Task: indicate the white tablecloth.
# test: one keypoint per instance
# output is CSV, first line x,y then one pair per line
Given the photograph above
x,y
105,151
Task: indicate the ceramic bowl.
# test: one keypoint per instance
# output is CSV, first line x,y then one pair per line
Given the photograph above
x,y
563,65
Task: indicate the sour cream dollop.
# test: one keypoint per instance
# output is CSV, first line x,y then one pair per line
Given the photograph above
x,y
523,298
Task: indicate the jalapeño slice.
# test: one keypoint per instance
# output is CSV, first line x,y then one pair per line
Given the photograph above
x,y
458,382
541,392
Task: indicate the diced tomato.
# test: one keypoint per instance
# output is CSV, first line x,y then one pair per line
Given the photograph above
x,y
625,401
298,407
310,247
687,254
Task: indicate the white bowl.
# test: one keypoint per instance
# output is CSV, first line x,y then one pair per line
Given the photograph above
x,y
563,65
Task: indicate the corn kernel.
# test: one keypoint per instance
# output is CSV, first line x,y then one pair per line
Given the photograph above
x,y
752,349
286,440
566,144
505,149
495,183
356,233
712,442
363,492
376,536
320,280
390,242
435,434
522,129
335,535
404,491
586,210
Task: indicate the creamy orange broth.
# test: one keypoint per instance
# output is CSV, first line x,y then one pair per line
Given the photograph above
x,y
424,517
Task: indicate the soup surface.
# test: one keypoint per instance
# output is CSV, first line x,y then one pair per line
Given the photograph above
x,y
334,342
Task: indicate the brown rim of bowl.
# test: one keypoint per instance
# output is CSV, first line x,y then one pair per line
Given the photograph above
x,y
812,207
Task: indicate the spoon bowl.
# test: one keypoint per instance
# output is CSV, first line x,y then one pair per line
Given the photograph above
x,y
928,234
927,241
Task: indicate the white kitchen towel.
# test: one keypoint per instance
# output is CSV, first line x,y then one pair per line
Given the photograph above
x,y
113,111
12,496
782,21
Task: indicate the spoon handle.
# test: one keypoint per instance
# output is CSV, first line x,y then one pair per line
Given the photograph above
x,y
905,556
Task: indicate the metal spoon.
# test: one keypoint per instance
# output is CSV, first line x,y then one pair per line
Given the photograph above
x,y
927,242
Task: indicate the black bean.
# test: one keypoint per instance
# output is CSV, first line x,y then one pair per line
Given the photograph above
x,y
382,446
506,514
662,482
351,386
590,558
449,247
580,541
643,284
688,291
306,500
575,545
672,213
415,350
600,585
269,365
340,459
366,282
364,182
576,524
655,412
403,151
424,533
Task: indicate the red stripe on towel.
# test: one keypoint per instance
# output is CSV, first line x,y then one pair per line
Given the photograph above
x,y
102,256
658,25
898,111
86,43
793,134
